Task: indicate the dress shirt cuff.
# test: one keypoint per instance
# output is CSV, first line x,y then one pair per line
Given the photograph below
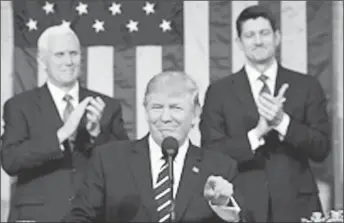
x,y
283,126
227,213
254,140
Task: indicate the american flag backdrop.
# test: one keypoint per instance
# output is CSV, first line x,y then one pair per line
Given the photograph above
x,y
124,43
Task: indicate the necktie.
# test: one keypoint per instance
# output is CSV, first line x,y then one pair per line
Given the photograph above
x,y
162,194
265,88
68,110
69,107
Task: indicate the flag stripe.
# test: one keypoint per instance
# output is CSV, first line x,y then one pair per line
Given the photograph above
x,y
148,64
337,45
125,86
319,64
239,58
294,35
83,67
100,69
220,44
196,49
25,69
172,57
6,82
275,8
319,44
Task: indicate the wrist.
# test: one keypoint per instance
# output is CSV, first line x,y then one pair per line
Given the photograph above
x,y
259,132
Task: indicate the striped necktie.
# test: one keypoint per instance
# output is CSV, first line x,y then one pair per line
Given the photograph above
x,y
265,88
69,107
66,113
162,194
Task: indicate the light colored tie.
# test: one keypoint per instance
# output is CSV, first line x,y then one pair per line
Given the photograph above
x,y
66,113
265,88
69,107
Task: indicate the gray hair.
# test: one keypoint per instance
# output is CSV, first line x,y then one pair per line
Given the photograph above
x,y
177,81
45,37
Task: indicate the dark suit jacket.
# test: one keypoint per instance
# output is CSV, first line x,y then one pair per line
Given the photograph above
x,y
278,168
47,178
118,186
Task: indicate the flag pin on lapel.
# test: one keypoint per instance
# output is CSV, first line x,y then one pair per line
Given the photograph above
x,y
195,169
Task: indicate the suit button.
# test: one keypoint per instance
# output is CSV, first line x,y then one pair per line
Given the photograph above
x,y
73,170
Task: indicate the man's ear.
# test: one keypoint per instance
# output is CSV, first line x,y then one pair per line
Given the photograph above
x,y
42,60
277,37
238,41
197,115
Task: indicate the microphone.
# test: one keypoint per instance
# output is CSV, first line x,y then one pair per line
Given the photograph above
x,y
170,149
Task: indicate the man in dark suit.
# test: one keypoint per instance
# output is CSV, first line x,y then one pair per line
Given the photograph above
x,y
271,120
50,132
128,184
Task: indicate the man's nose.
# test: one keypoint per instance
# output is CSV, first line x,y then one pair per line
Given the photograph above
x,y
258,39
68,60
165,114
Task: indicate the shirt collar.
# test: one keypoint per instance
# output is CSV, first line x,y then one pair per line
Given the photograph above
x,y
156,151
58,94
253,74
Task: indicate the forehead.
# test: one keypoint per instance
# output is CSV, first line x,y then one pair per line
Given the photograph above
x,y
63,42
168,97
256,24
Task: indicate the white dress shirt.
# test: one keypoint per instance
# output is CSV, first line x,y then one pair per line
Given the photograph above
x,y
155,155
256,86
57,94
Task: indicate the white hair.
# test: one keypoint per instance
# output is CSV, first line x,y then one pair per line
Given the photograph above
x,y
173,80
57,30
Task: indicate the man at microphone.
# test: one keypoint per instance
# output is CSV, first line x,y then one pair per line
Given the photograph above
x,y
162,177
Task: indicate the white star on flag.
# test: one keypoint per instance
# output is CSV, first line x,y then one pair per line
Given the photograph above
x,y
165,25
115,8
98,25
132,26
148,8
32,24
48,8
82,8
65,23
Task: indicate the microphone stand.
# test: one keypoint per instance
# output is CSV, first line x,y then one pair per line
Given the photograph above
x,y
171,176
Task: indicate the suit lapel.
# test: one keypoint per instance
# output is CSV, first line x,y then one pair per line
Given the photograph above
x,y
83,93
242,89
49,110
141,169
189,180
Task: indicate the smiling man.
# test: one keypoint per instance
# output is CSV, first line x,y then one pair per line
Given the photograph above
x,y
132,184
271,120
50,131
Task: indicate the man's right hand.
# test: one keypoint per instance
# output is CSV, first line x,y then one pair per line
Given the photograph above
x,y
72,123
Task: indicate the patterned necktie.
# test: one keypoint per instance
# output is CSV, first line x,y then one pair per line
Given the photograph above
x,y
69,107
265,88
162,194
68,110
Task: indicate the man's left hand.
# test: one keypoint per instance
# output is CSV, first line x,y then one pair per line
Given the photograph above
x,y
218,190
271,107
94,113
